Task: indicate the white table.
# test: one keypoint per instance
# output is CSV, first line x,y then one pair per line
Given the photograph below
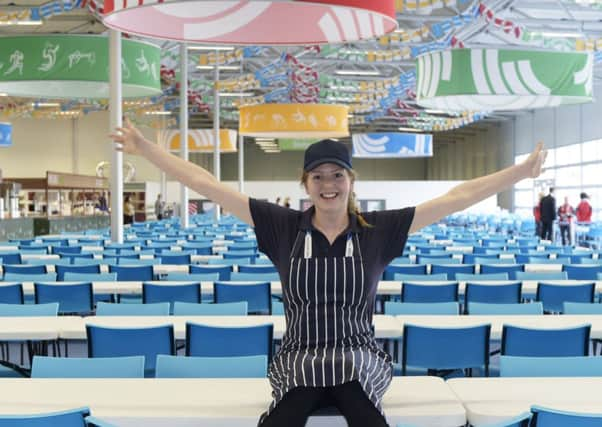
x,y
497,322
384,326
492,400
423,401
34,328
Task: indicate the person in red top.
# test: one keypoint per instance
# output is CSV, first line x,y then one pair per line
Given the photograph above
x,y
584,209
565,217
537,215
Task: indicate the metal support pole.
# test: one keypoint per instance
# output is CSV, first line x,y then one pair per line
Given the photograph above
x,y
115,121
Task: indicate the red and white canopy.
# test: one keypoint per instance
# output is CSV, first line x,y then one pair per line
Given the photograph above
x,y
253,22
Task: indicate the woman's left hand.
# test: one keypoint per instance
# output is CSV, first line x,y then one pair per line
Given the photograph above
x,y
535,161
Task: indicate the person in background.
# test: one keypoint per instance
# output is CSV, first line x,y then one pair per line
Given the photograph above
x,y
277,201
565,217
287,202
330,259
547,208
102,203
537,215
584,209
159,207
128,211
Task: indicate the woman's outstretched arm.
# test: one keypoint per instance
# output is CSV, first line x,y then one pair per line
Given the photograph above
x,y
475,190
131,141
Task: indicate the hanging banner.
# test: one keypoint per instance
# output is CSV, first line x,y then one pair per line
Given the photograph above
x,y
75,66
385,145
503,79
200,140
6,132
293,144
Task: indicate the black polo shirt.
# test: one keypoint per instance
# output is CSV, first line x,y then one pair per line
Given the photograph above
x,y
277,227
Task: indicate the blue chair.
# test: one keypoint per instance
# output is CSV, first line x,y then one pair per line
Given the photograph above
x,y
498,294
72,298
411,308
511,269
87,261
553,296
223,271
546,417
517,341
581,308
138,273
90,277
79,417
62,269
212,367
446,348
472,258
480,277
254,277
277,308
11,294
71,257
422,293
222,309
119,342
578,366
420,277
153,309
134,262
190,292
60,250
484,308
10,258
14,277
534,275
75,367
266,268
180,259
198,248
582,272
452,270
24,269
192,277
229,262
391,270
493,261
29,310
216,341
257,294
423,259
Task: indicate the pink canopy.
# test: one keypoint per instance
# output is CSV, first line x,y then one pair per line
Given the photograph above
x,y
253,22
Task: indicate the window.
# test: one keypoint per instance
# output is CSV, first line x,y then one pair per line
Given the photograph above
x,y
592,150
568,155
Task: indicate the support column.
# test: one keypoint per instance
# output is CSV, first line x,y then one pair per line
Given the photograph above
x,y
115,121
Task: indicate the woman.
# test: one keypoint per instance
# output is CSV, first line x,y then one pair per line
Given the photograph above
x,y
330,259
128,211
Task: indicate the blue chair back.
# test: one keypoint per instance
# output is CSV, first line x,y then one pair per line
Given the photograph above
x,y
24,269
90,277
132,273
189,292
582,272
76,367
578,366
420,277
421,293
452,270
546,417
62,269
72,298
216,341
11,294
445,348
517,341
221,309
534,275
484,308
582,308
254,277
212,367
265,268
553,296
498,294
480,277
429,308
192,277
10,258
258,295
511,269
14,277
69,418
413,269
111,309
431,259
229,261
118,342
180,259
29,310
223,271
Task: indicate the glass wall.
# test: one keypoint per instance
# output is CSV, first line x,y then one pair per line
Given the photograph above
x,y
571,169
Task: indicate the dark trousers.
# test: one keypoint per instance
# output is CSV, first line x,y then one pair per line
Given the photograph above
x,y
128,219
299,403
565,233
547,230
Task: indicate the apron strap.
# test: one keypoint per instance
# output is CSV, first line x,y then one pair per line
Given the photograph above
x,y
307,250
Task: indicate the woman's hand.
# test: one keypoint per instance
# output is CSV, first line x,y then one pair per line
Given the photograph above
x,y
535,161
129,139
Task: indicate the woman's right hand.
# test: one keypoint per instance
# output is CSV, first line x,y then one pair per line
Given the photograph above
x,y
129,139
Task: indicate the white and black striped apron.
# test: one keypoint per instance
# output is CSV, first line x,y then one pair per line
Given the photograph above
x,y
328,339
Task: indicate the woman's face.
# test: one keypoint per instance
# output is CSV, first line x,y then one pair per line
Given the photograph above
x,y
329,186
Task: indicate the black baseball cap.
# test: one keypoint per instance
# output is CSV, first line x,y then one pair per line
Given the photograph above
x,y
326,151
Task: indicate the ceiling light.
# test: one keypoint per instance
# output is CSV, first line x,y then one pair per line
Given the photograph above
x,y
228,48
435,111
221,67
45,104
235,94
3,94
558,34
272,151
409,129
158,113
32,23
357,72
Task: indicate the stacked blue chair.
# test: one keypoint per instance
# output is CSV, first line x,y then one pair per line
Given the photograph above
x,y
75,367
212,367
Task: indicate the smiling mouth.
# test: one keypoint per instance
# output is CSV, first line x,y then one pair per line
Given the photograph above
x,y
329,196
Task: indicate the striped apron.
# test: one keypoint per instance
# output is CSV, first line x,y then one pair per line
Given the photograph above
x,y
328,339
